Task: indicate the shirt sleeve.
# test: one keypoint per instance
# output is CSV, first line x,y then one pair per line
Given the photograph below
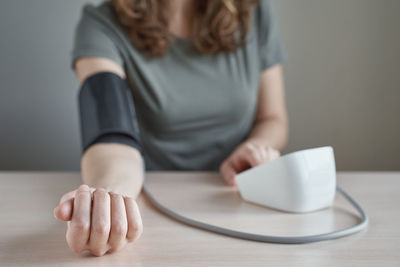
x,y
93,39
271,49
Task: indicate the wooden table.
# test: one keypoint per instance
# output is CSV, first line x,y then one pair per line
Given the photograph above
x,y
30,235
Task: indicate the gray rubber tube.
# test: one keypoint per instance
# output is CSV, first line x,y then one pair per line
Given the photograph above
x,y
266,238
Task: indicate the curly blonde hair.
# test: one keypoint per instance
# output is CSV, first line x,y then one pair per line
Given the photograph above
x,y
218,25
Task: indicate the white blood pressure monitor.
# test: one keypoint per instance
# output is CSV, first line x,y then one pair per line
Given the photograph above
x,y
301,181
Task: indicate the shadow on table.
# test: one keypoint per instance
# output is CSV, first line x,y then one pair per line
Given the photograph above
x,y
48,247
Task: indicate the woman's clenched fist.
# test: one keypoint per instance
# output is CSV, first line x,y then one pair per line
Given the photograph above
x,y
99,221
245,156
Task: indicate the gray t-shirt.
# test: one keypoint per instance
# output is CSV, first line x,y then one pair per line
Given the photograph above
x,y
193,109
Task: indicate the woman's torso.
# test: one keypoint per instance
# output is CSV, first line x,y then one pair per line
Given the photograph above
x,y
192,109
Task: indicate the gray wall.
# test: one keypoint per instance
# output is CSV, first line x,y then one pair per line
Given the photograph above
x,y
342,76
38,112
343,79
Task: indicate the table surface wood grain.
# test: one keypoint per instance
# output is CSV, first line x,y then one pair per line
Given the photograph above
x,y
31,236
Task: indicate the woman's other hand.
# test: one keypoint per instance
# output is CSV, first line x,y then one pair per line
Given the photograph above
x,y
99,221
245,156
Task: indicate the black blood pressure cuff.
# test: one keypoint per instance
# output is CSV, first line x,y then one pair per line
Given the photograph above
x,y
107,112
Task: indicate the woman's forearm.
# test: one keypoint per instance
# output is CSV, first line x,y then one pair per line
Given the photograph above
x,y
270,132
114,167
270,128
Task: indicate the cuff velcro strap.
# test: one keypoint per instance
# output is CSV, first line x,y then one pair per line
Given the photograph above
x,y
107,111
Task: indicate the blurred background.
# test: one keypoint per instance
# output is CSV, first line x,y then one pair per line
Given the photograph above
x,y
342,78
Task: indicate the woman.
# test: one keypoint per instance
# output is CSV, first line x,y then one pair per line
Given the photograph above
x,y
207,84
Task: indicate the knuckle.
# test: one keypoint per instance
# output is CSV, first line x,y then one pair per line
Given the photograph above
x,y
98,251
251,146
116,248
258,149
73,246
136,232
259,157
101,229
248,147
80,226
138,228
255,160
76,249
119,229
130,238
254,153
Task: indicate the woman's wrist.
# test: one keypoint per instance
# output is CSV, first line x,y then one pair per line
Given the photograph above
x,y
269,133
259,142
114,167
